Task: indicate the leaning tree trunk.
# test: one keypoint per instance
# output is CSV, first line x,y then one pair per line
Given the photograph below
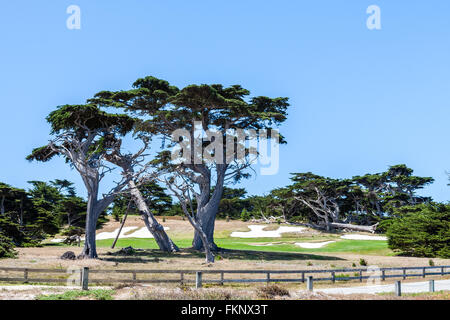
x,y
206,245
155,228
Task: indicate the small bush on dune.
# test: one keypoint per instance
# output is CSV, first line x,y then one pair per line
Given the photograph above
x,y
342,276
271,291
245,215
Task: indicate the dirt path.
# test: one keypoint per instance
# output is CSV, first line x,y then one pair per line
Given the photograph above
x,y
411,287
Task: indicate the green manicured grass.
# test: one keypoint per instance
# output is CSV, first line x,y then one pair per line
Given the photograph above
x,y
97,294
352,246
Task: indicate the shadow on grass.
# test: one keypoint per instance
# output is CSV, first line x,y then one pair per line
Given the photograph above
x,y
270,255
143,255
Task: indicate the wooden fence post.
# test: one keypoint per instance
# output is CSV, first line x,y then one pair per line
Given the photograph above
x,y
404,274
431,285
360,275
309,283
442,271
333,277
268,277
85,278
134,276
423,272
221,278
181,278
198,279
25,275
383,275
398,288
303,277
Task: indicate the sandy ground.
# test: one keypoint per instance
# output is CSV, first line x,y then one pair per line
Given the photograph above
x,y
413,287
155,292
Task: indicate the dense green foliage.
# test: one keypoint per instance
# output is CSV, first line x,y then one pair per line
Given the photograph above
x,y
6,247
30,216
421,231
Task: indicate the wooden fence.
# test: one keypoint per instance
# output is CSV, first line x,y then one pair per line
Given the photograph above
x,y
214,276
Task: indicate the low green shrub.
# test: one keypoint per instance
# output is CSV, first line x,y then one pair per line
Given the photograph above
x,y
421,231
97,294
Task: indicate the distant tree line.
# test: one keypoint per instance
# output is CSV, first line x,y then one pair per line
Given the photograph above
x,y
415,225
27,217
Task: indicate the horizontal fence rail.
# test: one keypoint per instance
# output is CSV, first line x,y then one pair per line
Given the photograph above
x,y
198,277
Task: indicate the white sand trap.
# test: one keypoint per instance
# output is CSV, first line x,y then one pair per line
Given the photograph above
x,y
258,232
362,237
142,233
262,244
112,235
313,245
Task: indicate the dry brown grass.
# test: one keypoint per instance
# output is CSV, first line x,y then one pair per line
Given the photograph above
x,y
271,291
140,292
48,257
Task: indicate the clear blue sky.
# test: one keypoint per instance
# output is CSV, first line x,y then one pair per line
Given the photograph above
x,y
361,100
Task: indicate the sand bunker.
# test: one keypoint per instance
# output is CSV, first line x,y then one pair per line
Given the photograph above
x,y
258,232
362,237
142,233
313,245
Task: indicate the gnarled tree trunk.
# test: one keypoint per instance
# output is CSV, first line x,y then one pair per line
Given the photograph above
x,y
207,218
207,209
94,208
